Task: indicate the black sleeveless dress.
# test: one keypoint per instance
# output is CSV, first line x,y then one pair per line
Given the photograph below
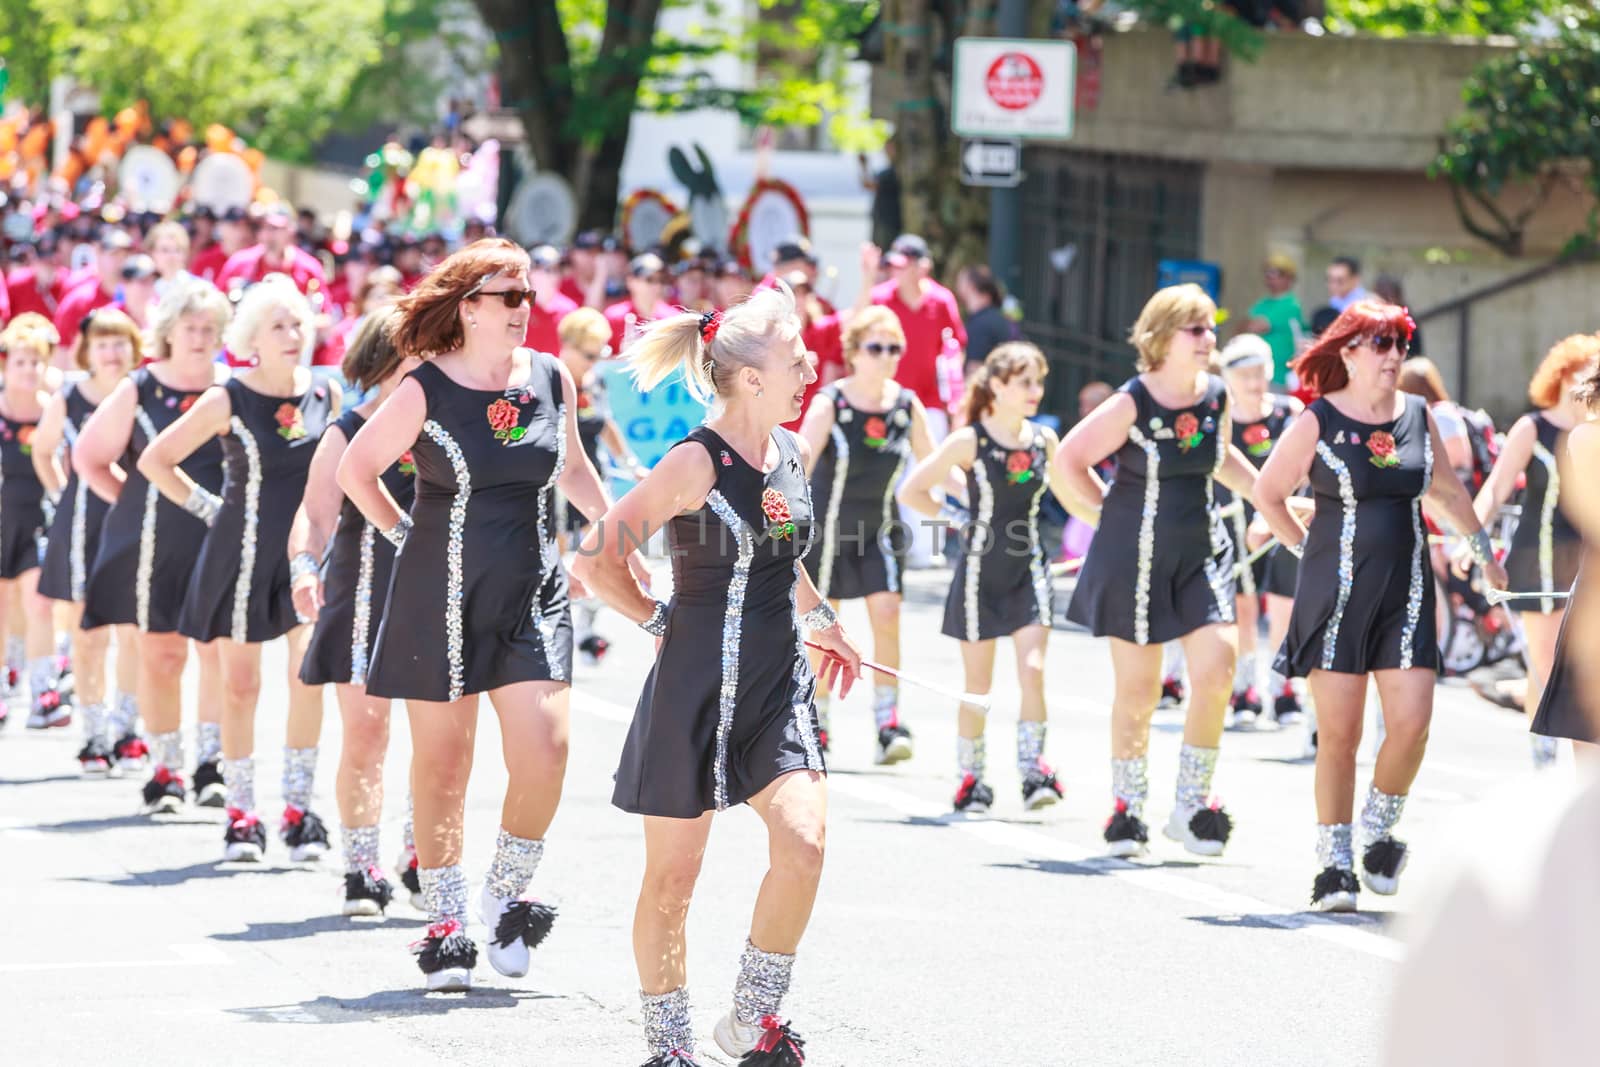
x,y
74,535
1366,598
21,500
240,588
355,581
592,414
1564,708
478,597
1275,571
1545,549
1000,583
1161,565
149,545
861,549
720,720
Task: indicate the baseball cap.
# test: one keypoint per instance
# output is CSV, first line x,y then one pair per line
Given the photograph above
x,y
907,246
731,268
1283,264
588,240
647,265
794,247
278,216
234,214
1246,350
138,268
545,257
113,239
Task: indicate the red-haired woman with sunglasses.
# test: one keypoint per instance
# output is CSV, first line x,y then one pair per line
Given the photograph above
x,y
1364,604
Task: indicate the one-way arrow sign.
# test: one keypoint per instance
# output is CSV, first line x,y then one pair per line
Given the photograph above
x,y
993,162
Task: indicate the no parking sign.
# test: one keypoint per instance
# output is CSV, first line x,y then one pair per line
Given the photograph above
x,y
1011,87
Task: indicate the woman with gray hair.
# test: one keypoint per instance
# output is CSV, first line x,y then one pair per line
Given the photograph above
x,y
268,419
148,545
730,721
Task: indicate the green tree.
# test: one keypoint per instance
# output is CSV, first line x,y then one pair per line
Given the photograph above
x,y
32,34
1471,18
1532,119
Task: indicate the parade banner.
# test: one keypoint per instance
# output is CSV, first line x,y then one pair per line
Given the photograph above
x,y
650,422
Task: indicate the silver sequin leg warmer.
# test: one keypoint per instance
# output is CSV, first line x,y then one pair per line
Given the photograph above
x,y
360,848
239,775
515,860
299,775
208,742
1130,783
763,981
667,1026
971,756
1379,815
1334,847
1195,769
167,750
1030,745
444,893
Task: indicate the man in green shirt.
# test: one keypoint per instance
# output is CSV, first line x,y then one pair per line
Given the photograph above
x,y
1278,316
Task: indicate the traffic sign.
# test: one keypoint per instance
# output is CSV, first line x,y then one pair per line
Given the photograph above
x,y
993,162
1013,87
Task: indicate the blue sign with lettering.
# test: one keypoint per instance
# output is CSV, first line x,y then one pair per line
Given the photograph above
x,y
651,422
1207,276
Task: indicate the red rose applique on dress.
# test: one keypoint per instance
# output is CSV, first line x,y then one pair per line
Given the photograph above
x,y
408,465
875,432
1381,445
1019,468
776,508
1187,429
503,419
291,423
1257,439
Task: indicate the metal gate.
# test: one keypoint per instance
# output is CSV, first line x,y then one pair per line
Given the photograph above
x,y
1109,219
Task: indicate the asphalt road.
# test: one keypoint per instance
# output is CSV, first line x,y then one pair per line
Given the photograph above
x,y
937,940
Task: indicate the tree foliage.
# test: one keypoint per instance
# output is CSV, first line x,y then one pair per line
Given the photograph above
x,y
1471,18
1532,117
31,43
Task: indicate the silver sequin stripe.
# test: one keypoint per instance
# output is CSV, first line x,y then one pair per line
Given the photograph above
x,y
1036,568
1219,580
549,554
1247,575
1419,538
891,564
80,533
361,622
1147,534
1347,547
805,681
1547,516
732,628
830,521
978,545
147,535
453,636
252,514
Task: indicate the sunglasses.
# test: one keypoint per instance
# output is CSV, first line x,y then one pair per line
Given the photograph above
x,y
603,352
1197,331
511,298
1382,345
876,349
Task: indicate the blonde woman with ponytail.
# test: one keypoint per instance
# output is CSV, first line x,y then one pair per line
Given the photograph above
x,y
728,714
1001,586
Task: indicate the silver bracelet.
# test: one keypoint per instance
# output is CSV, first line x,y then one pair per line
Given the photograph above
x,y
302,564
396,534
203,504
656,624
820,617
1297,551
1482,547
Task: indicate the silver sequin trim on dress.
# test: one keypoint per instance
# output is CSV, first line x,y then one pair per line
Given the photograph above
x,y
252,513
732,625
1334,847
830,521
515,861
805,682
361,623
763,981
1419,539
1147,534
978,543
1347,547
1247,575
453,636
1036,568
1130,783
1219,580
1547,516
80,532
891,563
549,554
147,535
667,1025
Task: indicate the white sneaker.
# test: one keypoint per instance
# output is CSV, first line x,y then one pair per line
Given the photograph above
x,y
734,1037
524,923
1213,838
450,980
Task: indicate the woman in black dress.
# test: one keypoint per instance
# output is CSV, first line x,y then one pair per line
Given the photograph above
x,y
148,546
1160,567
1546,547
1259,419
863,430
109,347
1001,586
341,566
729,721
1568,707
585,342
478,597
1364,605
268,418
26,348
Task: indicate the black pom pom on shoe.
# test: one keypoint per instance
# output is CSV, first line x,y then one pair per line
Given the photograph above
x,y
446,945
779,1046
1383,857
526,920
675,1058
1334,880
1211,824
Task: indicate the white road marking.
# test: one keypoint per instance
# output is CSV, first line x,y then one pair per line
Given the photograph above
x,y
1036,844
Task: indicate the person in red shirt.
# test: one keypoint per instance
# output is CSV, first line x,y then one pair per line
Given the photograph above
x,y
692,283
344,292
583,265
276,254
233,236
791,255
408,260
380,288
732,284
823,336
550,305
98,291
137,296
647,287
39,285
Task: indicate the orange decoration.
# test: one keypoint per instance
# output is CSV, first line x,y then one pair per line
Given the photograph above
x,y
219,138
254,158
187,157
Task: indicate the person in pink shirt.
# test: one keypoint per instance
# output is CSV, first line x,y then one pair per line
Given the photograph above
x,y
233,236
97,292
550,305
38,283
275,254
647,287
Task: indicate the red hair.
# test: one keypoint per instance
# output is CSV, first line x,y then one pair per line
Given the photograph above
x,y
1567,359
1321,367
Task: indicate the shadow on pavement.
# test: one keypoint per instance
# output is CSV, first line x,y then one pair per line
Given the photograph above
x,y
1095,865
321,924
197,872
117,822
1299,920
46,780
389,1003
